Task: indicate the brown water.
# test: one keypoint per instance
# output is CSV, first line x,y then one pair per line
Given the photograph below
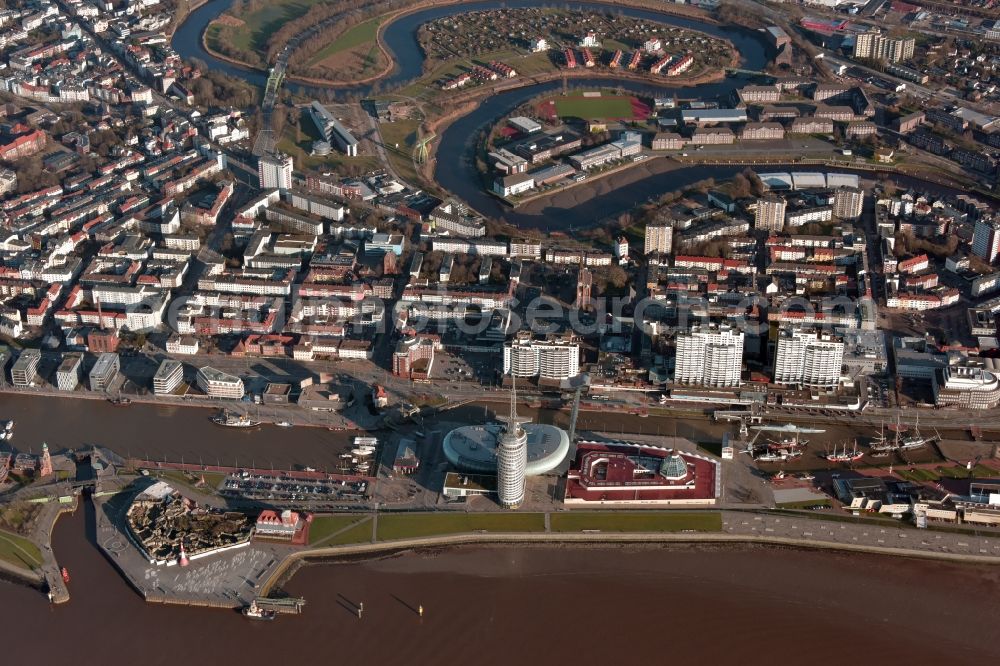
x,y
155,432
534,605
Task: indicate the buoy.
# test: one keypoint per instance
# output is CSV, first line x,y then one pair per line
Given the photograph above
x,y
420,610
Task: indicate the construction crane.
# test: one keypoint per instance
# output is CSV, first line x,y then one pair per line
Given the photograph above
x,y
420,149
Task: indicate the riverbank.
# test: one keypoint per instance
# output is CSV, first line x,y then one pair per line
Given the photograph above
x,y
721,599
389,18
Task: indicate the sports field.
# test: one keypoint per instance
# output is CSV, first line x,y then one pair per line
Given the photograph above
x,y
603,107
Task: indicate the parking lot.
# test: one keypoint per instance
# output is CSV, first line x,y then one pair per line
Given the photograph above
x,y
281,488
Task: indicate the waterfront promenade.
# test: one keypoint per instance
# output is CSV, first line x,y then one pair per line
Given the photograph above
x,y
232,579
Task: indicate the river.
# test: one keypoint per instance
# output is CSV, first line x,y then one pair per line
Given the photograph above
x,y
586,605
576,207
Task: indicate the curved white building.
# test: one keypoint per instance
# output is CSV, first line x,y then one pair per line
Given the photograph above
x,y
474,448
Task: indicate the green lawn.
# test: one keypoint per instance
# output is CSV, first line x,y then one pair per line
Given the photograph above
x,y
263,23
918,475
404,526
324,526
356,36
594,108
360,533
960,472
399,138
19,551
615,521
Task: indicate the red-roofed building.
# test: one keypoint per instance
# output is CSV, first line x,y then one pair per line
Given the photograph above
x,y
914,265
23,145
622,474
285,526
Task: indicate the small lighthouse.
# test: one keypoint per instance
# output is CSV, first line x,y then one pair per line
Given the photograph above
x,y
45,463
183,559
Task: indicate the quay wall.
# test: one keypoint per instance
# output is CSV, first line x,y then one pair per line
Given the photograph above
x,y
293,559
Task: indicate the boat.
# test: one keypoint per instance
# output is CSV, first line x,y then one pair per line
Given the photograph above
x,y
120,401
845,455
308,469
255,612
789,443
899,442
231,420
914,441
65,575
283,424
363,451
772,456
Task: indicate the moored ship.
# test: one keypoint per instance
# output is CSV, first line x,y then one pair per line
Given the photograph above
x,y
255,612
232,420
845,455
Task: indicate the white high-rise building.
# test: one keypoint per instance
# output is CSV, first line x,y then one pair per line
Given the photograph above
x,y
808,358
876,46
659,239
848,203
770,213
709,356
556,358
275,171
512,456
986,239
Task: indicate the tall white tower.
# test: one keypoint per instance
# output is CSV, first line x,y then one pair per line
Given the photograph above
x,y
512,455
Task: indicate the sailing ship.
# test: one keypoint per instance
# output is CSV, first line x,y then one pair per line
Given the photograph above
x,y
845,455
899,442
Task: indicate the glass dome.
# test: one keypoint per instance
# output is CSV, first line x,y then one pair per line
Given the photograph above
x,y
674,468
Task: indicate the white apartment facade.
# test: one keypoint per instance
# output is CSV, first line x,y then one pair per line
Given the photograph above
x,y
554,359
808,358
709,356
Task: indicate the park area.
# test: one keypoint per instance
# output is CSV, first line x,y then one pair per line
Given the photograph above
x,y
644,521
594,106
414,525
351,56
18,551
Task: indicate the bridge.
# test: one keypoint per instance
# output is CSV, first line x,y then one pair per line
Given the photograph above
x,y
265,141
748,72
